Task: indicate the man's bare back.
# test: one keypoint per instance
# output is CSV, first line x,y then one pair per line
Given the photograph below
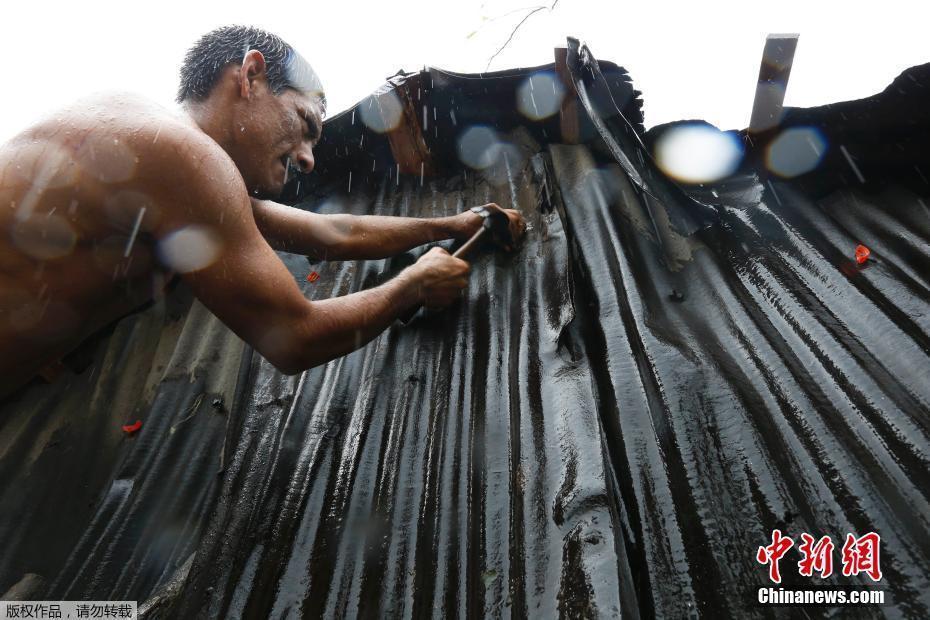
x,y
101,203
80,202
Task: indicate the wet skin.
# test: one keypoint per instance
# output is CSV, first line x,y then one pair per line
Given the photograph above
x,y
102,202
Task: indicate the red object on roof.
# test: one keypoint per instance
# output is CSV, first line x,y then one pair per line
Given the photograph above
x,y
313,277
132,428
862,254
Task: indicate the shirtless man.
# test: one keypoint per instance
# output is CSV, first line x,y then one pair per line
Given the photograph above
x,y
104,201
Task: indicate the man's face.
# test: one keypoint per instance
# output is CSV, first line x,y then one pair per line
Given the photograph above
x,y
271,131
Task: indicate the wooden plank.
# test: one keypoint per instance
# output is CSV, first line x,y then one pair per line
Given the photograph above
x,y
568,111
774,71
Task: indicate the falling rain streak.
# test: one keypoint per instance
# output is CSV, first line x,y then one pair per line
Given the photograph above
x,y
852,164
774,193
924,205
135,230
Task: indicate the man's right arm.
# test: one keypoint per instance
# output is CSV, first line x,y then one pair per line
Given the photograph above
x,y
248,287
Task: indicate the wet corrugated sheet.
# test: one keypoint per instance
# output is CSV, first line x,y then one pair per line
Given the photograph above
x,y
610,424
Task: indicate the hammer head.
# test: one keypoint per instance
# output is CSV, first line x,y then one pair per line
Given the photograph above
x,y
498,227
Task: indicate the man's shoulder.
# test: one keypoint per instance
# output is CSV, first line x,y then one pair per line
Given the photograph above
x,y
185,171
154,130
126,127
170,151
131,119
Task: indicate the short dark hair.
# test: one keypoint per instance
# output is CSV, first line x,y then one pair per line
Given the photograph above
x,y
284,67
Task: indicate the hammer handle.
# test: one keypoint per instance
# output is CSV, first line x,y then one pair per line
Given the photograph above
x,y
459,253
466,247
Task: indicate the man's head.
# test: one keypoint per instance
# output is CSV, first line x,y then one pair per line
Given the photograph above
x,y
258,98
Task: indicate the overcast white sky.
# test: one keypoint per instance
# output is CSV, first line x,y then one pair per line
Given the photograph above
x,y
690,59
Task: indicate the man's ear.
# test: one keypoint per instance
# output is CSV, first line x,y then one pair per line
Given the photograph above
x,y
253,68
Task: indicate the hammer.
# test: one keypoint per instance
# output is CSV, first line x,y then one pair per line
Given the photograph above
x,y
496,225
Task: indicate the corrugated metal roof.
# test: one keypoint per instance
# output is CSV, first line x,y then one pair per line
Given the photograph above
x,y
608,424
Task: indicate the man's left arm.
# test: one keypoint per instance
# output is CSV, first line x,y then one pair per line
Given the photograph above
x,y
354,237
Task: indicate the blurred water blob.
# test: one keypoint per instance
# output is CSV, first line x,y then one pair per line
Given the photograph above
x,y
698,153
122,208
41,166
45,165
189,249
302,76
540,96
507,161
107,159
381,113
795,151
479,147
108,252
44,237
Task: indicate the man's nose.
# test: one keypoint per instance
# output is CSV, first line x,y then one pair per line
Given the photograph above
x,y
303,157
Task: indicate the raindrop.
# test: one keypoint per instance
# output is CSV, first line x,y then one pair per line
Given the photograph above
x,y
774,193
795,151
698,153
44,237
478,146
135,230
537,104
189,249
924,205
852,164
113,163
386,115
